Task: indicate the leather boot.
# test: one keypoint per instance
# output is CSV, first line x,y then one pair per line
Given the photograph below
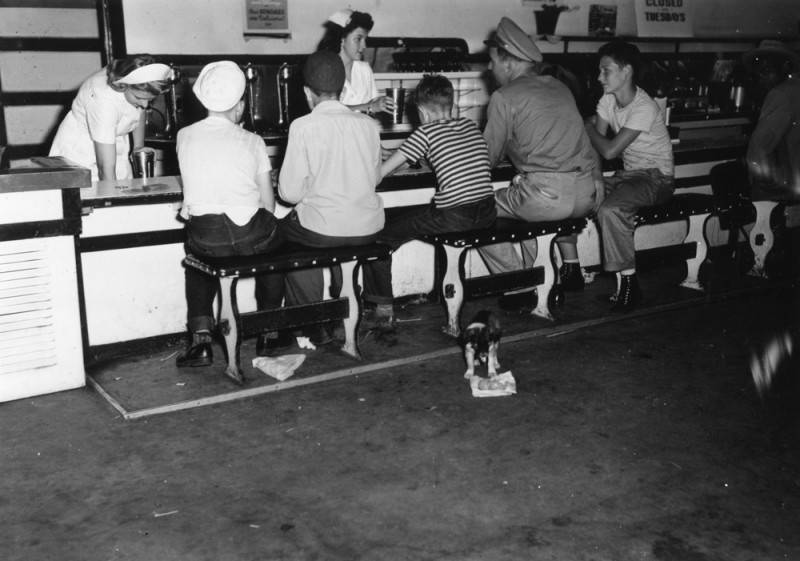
x,y
199,352
629,295
570,277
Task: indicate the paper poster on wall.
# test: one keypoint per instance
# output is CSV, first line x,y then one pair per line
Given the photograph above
x,y
266,17
664,18
602,20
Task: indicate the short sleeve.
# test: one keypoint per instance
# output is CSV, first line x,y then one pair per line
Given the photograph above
x,y
416,145
641,117
497,131
373,88
262,156
101,120
773,122
604,109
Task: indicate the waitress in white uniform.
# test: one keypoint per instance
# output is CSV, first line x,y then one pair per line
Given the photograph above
x,y
110,105
346,34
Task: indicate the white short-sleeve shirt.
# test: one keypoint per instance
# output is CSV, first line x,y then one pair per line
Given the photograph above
x,y
361,86
98,114
219,163
652,149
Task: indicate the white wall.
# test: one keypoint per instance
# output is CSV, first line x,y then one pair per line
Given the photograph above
x,y
41,70
216,26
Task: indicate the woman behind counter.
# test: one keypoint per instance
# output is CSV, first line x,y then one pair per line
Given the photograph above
x,y
346,34
110,104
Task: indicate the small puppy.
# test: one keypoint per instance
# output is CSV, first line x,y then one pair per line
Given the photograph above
x,y
481,340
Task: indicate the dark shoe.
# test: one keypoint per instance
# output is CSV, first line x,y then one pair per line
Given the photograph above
x,y
570,277
336,329
268,344
385,324
629,295
384,330
318,334
196,355
518,301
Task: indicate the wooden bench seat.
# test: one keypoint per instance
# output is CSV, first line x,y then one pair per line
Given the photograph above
x,y
696,209
456,287
235,325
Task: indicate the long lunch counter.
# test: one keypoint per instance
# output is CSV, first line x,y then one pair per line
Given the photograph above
x,y
131,244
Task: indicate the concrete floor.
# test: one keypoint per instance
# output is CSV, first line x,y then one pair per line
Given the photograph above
x,y
636,440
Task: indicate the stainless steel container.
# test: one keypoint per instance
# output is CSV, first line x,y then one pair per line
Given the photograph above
x,y
398,96
738,97
144,161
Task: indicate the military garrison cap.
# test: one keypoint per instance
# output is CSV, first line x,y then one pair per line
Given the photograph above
x,y
510,37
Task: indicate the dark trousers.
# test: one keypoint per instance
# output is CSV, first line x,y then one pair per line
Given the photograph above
x,y
414,223
216,235
306,285
626,192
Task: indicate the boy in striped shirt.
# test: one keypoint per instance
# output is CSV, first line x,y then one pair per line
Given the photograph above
x,y
464,199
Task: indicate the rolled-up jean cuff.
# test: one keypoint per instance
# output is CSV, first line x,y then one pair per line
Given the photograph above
x,y
377,299
200,323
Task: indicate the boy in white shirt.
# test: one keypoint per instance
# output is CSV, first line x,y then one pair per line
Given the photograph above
x,y
329,174
641,138
228,201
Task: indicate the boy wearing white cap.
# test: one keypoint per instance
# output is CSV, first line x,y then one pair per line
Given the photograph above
x,y
228,201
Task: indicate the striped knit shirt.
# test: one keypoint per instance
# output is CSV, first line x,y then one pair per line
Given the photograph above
x,y
459,157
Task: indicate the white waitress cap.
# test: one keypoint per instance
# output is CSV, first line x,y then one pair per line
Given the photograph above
x,y
341,18
148,73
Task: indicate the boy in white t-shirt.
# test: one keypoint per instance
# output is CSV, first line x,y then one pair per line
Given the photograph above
x,y
227,203
640,136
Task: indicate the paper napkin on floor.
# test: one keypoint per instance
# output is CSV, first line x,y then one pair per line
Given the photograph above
x,y
502,384
279,367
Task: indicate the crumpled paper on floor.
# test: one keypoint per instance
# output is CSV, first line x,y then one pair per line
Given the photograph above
x,y
500,385
279,367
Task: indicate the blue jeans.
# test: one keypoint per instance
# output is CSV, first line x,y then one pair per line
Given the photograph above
x,y
306,285
411,225
626,192
216,235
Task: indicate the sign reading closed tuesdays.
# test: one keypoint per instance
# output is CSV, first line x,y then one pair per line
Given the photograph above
x,y
663,18
266,17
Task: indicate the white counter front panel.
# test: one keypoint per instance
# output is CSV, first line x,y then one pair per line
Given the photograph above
x,y
40,329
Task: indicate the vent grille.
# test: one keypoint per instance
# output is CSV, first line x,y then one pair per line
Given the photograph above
x,y
27,331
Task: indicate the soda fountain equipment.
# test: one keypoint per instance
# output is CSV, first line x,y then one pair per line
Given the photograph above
x,y
251,74
283,79
173,122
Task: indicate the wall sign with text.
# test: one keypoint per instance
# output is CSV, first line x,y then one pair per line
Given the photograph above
x,y
664,18
266,17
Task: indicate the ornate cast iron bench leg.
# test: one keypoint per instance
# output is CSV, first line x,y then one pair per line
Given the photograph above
x,y
229,324
697,234
545,259
453,289
761,236
349,272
